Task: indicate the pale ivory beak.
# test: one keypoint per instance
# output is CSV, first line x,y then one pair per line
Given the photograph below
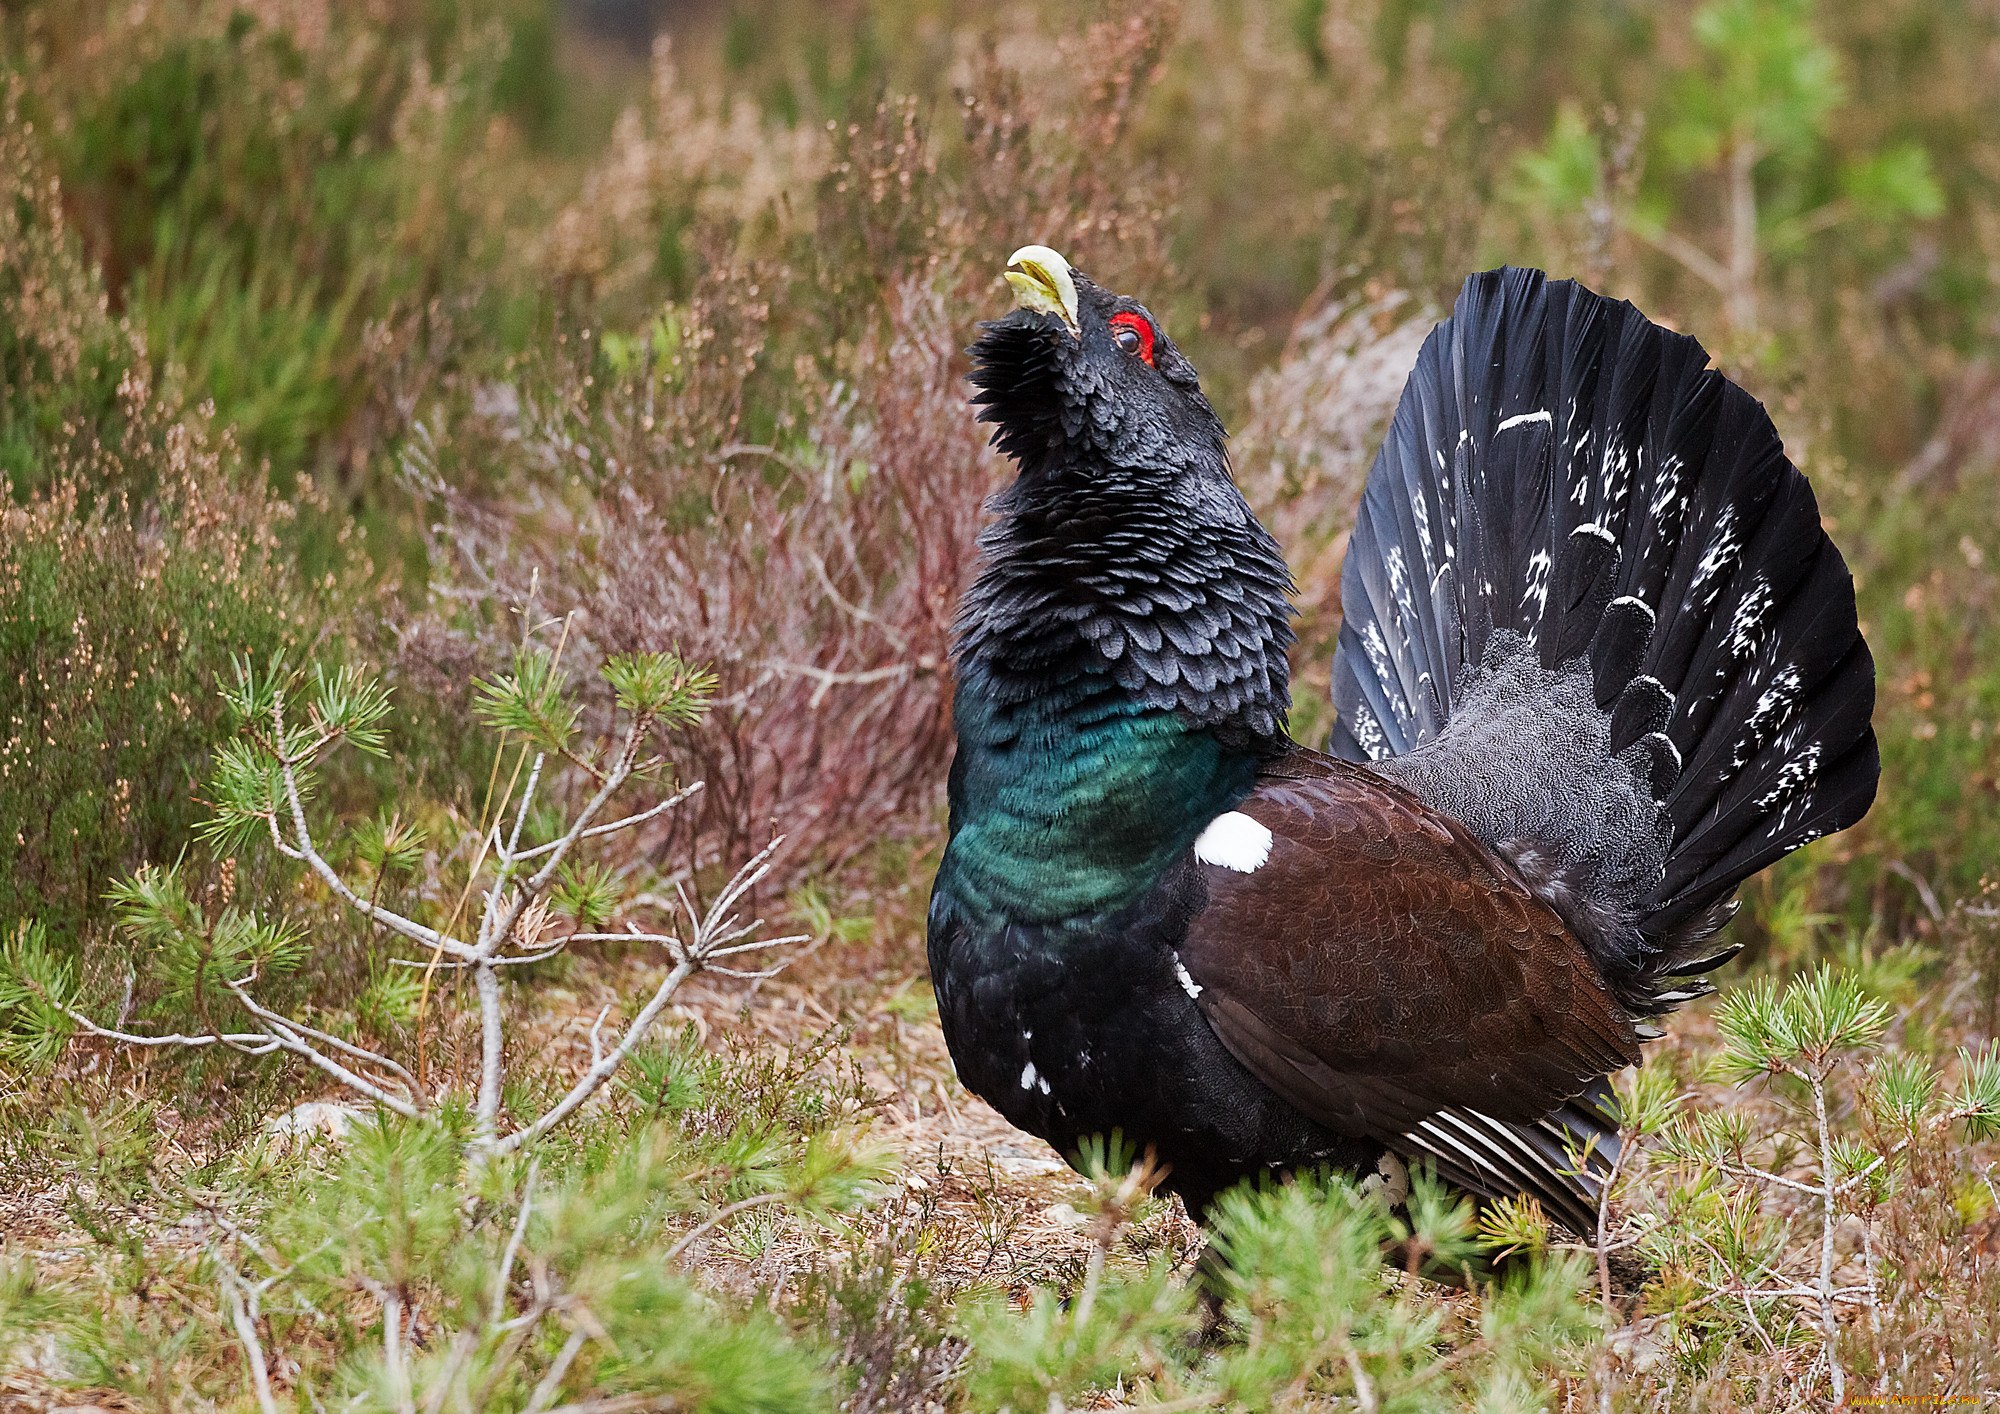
x,y
1042,282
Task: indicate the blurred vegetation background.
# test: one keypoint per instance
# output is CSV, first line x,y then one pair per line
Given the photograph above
x,y
363,308
370,331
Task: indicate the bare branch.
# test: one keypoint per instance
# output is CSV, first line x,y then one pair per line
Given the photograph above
x,y
716,1219
258,1043
360,1083
1925,893
392,1348
360,1053
762,945
899,640
712,929
551,1382
388,918
719,919
631,936
625,824
751,449
1697,261
511,960
284,1034
593,1079
1829,1215
244,1239
828,679
242,1301
1766,1176
1750,1312
497,1306
620,772
486,1109
505,852
278,839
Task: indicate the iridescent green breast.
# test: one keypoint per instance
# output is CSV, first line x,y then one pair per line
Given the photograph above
x,y
1069,805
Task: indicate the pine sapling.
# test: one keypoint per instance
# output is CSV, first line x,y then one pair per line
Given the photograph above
x,y
536,897
1805,1035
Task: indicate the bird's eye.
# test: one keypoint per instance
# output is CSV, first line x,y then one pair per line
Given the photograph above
x,y
1132,334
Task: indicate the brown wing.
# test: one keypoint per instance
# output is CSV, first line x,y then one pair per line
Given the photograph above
x,y
1382,966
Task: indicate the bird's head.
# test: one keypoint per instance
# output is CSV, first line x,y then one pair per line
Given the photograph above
x,y
1123,553
1080,379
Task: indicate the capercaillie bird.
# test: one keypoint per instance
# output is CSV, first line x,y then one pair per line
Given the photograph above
x,y
1599,663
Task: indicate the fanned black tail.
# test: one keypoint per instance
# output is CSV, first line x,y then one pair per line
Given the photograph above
x,y
1589,608
1566,472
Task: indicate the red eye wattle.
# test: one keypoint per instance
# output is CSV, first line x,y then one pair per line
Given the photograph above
x,y
1133,334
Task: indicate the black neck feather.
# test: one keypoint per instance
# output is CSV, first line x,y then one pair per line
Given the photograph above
x,y
1166,587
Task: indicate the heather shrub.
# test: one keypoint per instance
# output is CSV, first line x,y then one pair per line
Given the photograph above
x,y
134,563
817,576
777,473
61,356
274,193
110,639
1926,587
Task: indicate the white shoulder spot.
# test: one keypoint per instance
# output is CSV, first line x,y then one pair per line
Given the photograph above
x,y
1188,984
1234,841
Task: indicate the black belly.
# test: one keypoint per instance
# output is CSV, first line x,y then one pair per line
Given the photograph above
x,y
1075,1030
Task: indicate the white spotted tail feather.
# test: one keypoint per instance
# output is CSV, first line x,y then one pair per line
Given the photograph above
x,y
1590,610
1567,477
